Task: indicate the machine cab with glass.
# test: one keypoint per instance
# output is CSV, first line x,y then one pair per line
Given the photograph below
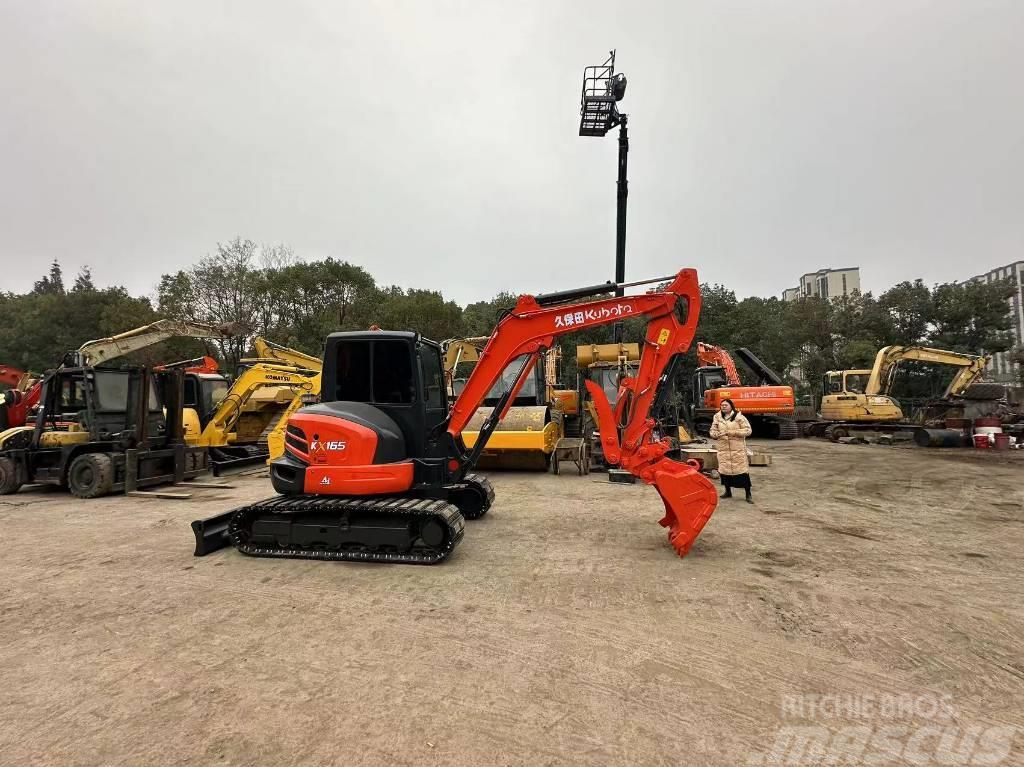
x,y
203,393
845,382
100,403
844,397
383,392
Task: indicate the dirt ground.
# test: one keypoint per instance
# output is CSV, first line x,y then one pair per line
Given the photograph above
x,y
563,630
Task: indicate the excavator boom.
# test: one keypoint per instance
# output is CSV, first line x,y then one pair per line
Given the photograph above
x,y
93,353
709,355
972,367
268,351
256,377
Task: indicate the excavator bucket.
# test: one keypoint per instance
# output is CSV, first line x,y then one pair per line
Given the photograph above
x,y
689,497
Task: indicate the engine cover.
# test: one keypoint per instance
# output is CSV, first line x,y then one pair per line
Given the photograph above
x,y
342,448
344,434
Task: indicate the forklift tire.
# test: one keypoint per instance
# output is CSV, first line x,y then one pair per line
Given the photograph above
x,y
91,475
10,477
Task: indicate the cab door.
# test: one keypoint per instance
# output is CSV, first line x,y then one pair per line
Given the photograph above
x,y
433,396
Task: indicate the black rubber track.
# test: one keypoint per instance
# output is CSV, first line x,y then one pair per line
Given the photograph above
x,y
410,512
484,486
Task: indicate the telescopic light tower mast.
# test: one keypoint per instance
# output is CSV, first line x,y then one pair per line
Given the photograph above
x,y
599,113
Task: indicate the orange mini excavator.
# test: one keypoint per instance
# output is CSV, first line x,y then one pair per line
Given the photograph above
x,y
378,470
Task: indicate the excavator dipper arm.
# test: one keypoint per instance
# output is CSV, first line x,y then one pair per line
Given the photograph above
x,y
689,497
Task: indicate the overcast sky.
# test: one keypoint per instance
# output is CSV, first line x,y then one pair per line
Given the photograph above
x,y
435,143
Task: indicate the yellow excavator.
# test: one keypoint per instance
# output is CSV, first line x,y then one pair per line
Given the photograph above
x,y
861,399
533,422
248,421
273,430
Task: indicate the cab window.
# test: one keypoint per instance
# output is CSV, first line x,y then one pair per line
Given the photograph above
x,y
855,383
433,377
72,394
374,372
393,381
353,376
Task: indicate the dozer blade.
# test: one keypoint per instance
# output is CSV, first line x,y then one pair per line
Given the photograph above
x,y
212,534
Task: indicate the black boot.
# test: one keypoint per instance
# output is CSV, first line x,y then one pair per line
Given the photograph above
x,y
727,493
750,498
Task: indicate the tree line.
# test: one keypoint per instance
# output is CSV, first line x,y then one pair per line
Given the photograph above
x,y
295,302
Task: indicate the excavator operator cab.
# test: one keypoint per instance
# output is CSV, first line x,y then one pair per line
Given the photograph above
x,y
382,401
398,373
203,393
705,378
844,382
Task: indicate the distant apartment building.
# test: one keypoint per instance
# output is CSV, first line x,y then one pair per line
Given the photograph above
x,y
1001,368
825,283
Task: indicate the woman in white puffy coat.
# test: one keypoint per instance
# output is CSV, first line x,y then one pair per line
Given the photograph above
x,y
730,430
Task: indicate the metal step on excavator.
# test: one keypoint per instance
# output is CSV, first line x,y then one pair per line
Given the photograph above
x,y
378,471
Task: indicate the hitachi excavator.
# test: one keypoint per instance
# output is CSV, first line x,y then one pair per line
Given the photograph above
x,y
860,400
769,406
378,471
